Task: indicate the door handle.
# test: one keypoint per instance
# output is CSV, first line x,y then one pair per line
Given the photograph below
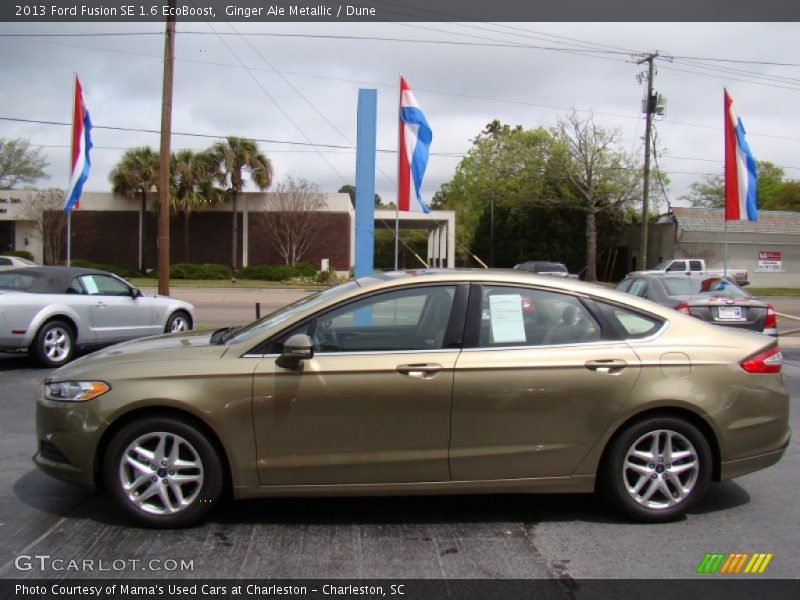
x,y
100,305
420,371
610,366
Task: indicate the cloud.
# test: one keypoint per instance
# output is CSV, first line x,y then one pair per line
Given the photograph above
x,y
460,86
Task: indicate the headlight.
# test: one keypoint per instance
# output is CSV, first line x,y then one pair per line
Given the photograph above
x,y
75,391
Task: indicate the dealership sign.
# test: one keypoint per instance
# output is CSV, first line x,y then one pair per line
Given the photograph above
x,y
769,261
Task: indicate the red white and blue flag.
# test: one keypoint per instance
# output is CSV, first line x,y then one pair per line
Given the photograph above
x,y
415,143
81,145
740,169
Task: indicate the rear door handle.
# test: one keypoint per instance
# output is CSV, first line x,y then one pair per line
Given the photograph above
x,y
100,305
420,371
610,366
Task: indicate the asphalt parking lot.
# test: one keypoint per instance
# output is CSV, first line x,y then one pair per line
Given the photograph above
x,y
492,536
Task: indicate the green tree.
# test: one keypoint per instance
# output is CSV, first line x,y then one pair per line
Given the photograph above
x,y
602,175
350,190
505,166
193,187
236,158
20,164
787,197
136,173
771,189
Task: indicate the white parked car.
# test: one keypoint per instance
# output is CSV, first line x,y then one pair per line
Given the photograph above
x,y
51,312
15,262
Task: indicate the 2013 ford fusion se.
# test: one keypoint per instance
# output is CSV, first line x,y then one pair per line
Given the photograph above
x,y
429,382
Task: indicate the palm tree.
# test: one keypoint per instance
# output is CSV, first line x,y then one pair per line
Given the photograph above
x,y
136,172
235,156
194,179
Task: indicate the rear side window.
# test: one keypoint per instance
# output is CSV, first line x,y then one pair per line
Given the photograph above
x,y
513,316
630,324
638,288
15,281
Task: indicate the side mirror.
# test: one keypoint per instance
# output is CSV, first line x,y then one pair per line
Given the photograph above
x,y
296,348
136,293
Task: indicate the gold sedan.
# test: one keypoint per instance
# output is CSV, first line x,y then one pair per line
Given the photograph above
x,y
435,382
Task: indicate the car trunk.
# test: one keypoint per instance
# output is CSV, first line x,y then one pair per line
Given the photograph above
x,y
738,312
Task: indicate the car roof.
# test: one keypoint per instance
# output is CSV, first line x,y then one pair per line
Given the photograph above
x,y
53,280
506,276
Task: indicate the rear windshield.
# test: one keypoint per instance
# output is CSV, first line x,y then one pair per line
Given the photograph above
x,y
693,286
16,281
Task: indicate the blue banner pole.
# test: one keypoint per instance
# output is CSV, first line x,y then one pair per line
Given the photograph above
x,y
365,181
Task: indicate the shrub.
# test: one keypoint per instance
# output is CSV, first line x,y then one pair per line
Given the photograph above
x,y
193,271
278,272
18,253
304,270
124,271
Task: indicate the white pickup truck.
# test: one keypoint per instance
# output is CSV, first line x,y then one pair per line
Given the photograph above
x,y
697,265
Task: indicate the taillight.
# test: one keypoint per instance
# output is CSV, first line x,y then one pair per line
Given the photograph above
x,y
769,361
771,322
683,308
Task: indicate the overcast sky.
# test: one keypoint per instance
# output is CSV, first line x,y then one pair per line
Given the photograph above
x,y
304,89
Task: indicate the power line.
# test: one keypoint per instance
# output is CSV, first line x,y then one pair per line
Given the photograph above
x,y
432,91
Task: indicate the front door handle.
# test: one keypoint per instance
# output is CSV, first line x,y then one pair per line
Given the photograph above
x,y
610,366
419,371
100,305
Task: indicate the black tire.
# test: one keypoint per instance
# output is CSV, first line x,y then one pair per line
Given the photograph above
x,y
672,492
199,487
54,344
176,318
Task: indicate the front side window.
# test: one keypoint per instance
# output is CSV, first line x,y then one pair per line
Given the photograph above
x,y
513,316
103,285
411,319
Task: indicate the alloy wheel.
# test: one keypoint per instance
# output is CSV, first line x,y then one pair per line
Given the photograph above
x,y
660,469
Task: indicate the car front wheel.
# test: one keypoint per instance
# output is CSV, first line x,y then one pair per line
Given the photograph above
x,y
657,469
163,472
177,322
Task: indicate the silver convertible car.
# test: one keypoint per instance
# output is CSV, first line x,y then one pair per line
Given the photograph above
x,y
51,312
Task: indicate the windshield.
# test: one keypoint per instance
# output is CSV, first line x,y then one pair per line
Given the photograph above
x,y
256,328
551,268
695,286
662,265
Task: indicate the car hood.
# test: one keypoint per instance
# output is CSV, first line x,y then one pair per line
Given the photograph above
x,y
162,348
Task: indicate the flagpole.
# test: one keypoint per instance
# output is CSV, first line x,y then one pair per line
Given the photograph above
x,y
69,174
725,238
397,199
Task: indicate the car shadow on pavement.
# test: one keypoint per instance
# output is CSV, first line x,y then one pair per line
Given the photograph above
x,y
13,362
64,499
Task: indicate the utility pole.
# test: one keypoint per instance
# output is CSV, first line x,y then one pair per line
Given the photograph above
x,y
649,109
164,156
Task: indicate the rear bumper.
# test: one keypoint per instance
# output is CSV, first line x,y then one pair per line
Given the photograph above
x,y
743,466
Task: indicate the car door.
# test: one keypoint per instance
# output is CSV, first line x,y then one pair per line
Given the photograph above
x,y
535,386
373,405
115,314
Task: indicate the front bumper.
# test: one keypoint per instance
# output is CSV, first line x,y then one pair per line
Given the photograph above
x,y
68,435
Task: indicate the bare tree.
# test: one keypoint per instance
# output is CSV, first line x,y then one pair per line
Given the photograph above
x,y
20,163
601,173
44,210
294,218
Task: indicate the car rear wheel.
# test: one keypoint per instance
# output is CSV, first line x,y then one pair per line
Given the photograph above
x,y
178,321
657,469
54,344
163,472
